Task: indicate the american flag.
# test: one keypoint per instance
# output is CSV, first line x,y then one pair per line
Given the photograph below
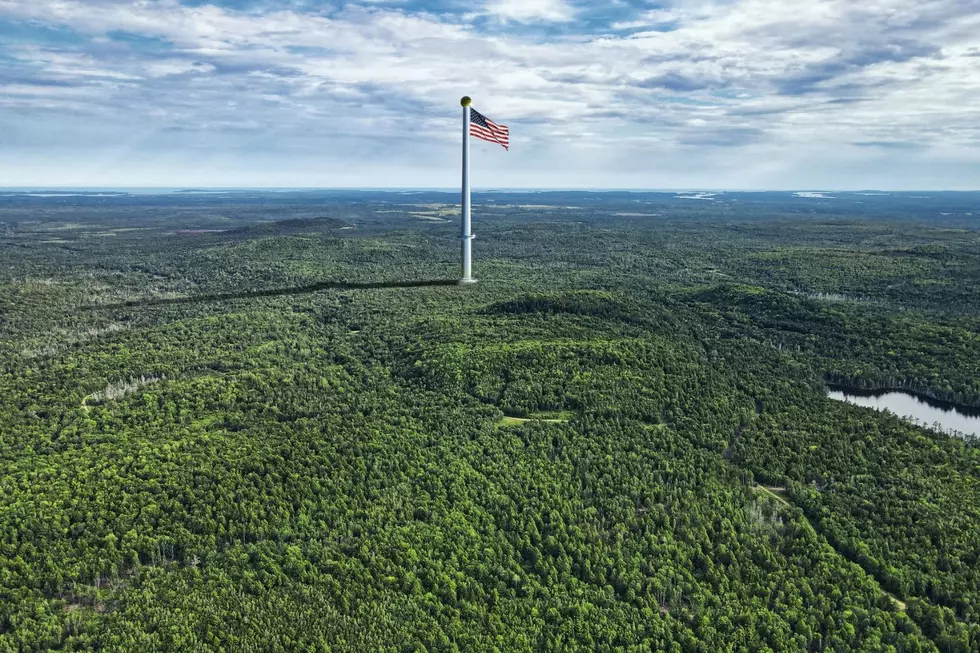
x,y
488,130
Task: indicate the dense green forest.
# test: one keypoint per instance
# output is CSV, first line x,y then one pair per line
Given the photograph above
x,y
271,422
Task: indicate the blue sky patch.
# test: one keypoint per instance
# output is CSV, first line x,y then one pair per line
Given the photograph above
x,y
720,93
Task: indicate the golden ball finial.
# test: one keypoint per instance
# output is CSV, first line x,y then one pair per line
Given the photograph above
x,y
465,101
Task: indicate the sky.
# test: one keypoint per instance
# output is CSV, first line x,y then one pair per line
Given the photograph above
x,y
714,94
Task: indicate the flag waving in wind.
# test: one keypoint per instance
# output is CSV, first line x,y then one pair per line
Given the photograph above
x,y
488,130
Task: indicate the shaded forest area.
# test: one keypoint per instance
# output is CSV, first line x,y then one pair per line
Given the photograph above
x,y
271,422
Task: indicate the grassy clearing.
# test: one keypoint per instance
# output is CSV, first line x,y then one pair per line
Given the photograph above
x,y
431,217
559,417
775,493
898,602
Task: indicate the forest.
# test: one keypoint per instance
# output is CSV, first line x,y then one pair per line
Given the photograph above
x,y
254,421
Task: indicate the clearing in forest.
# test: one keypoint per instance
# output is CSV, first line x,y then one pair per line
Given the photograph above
x,y
558,417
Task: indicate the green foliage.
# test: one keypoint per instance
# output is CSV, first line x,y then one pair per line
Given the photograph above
x,y
268,437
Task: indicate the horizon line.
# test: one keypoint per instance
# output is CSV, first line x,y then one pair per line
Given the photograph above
x,y
445,189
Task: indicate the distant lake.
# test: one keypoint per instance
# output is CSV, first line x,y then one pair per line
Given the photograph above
x,y
903,404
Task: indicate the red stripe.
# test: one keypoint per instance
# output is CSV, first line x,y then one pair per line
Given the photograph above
x,y
483,132
497,129
489,133
488,136
504,143
493,132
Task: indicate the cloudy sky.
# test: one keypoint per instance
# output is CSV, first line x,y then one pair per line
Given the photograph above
x,y
777,94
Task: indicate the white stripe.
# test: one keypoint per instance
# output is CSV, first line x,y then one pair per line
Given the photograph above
x,y
477,128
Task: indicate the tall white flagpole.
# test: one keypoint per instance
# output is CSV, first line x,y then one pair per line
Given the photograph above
x,y
467,235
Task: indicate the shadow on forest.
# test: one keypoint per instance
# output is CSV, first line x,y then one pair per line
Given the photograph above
x,y
278,292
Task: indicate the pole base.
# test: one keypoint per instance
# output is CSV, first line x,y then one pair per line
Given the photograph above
x,y
466,282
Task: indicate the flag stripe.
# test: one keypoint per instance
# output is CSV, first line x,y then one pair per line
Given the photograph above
x,y
481,133
486,129
491,130
491,134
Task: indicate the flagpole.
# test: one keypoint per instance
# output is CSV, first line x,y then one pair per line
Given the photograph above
x,y
467,235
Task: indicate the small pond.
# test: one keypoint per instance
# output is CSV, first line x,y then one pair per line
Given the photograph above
x,y
926,411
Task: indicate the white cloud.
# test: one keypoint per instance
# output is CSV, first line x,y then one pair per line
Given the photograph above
x,y
655,18
762,76
167,67
526,11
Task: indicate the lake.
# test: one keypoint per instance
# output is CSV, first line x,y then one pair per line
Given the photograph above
x,y
903,404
